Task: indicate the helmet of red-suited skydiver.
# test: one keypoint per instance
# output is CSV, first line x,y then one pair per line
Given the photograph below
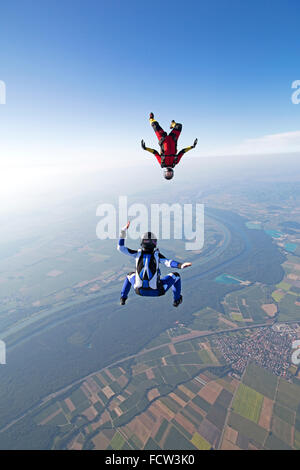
x,y
168,173
149,241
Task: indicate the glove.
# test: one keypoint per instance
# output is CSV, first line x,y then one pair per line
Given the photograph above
x,y
185,265
123,230
195,143
143,145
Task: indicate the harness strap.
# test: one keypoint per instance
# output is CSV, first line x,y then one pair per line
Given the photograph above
x,y
163,164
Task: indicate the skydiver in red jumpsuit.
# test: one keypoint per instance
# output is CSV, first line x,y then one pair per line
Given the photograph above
x,y
168,157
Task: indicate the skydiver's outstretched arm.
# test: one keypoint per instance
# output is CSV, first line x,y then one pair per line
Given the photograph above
x,y
188,148
121,245
170,263
155,152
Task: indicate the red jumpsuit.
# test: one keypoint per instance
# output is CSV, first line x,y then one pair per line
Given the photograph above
x,y
168,145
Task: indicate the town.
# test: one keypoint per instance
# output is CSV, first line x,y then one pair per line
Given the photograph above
x,y
270,347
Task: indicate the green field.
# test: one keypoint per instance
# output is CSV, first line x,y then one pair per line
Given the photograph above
x,y
189,357
154,355
277,296
284,413
217,415
117,441
288,395
78,397
236,317
282,430
248,428
249,301
161,430
192,415
116,372
274,443
185,346
247,402
171,404
284,286
261,380
200,442
288,309
203,404
206,358
182,395
206,319
176,441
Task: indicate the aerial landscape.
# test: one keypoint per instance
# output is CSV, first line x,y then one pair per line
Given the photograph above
x,y
86,363
217,375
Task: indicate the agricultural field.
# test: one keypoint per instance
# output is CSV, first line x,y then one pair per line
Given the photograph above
x,y
209,319
176,393
261,380
264,413
248,403
177,396
157,400
253,304
286,294
289,307
190,417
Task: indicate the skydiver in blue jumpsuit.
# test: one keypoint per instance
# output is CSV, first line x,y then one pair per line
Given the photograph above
x,y
146,279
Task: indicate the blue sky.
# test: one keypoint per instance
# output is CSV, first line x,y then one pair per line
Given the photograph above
x,y
82,77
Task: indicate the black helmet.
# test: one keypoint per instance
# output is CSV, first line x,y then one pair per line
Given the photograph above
x,y
149,241
168,173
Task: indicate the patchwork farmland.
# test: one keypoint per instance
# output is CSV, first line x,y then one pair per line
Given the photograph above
x,y
177,396
268,418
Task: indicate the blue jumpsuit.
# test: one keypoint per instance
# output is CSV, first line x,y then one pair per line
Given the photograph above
x,y
146,279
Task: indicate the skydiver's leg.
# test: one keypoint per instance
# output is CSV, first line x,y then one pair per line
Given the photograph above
x,y
176,287
129,281
160,133
172,280
176,131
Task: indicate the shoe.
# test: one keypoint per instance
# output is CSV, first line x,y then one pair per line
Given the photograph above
x,y
151,116
173,124
122,301
177,302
